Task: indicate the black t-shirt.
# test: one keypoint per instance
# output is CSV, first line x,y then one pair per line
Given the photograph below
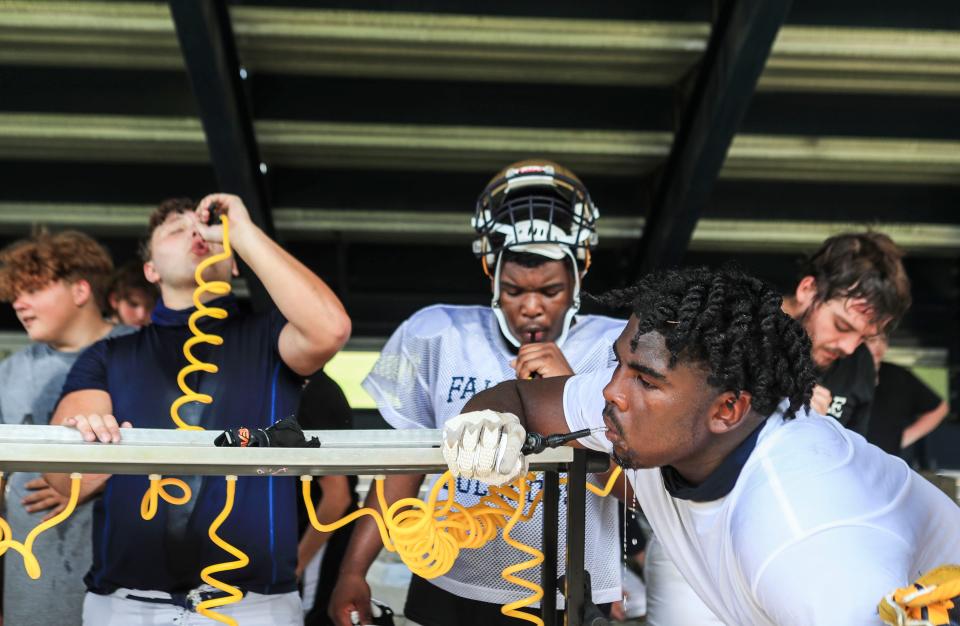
x,y
323,406
900,399
852,382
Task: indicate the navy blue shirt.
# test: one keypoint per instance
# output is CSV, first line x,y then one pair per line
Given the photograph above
x,y
720,482
253,388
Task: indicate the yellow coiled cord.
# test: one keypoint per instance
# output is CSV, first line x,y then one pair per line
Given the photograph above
x,y
25,549
512,609
157,490
158,485
241,561
428,535
216,287
606,489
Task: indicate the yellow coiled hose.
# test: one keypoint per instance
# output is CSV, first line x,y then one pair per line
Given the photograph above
x,y
25,549
216,287
157,490
428,535
241,560
148,506
512,609
158,485
605,491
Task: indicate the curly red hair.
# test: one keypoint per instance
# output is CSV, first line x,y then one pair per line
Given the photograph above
x,y
46,257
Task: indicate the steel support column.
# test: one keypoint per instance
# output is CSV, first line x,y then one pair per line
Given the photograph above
x,y
551,524
576,530
737,51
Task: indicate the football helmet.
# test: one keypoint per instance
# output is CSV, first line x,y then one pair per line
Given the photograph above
x,y
536,207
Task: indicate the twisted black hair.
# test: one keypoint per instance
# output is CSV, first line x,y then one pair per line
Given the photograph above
x,y
733,325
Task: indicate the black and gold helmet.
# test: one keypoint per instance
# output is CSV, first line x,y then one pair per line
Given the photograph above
x,y
535,207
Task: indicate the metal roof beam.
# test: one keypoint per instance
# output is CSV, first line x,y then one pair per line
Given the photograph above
x,y
482,48
139,139
710,235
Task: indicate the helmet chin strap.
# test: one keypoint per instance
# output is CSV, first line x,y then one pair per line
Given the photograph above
x,y
567,318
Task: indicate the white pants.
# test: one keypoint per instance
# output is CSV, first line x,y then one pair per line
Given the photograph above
x,y
671,601
255,609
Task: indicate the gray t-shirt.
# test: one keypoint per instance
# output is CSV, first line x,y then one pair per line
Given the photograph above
x,y
30,384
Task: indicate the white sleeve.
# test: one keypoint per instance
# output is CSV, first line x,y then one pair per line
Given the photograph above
x,y
835,576
402,379
583,406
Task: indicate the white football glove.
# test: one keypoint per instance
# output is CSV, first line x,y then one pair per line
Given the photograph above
x,y
485,445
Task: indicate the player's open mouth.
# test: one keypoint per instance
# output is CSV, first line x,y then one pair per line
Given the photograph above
x,y
533,335
611,432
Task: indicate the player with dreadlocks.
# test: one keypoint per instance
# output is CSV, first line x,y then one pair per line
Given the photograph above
x,y
851,289
774,514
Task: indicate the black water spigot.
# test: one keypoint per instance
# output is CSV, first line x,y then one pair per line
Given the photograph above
x,y
537,443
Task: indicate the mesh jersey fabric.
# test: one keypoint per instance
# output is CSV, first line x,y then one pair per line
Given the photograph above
x,y
436,361
814,504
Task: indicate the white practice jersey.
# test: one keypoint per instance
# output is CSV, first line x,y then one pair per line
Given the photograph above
x,y
436,361
818,528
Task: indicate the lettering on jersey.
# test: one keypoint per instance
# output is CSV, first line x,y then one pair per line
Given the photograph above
x,y
536,485
836,407
464,388
468,486
471,487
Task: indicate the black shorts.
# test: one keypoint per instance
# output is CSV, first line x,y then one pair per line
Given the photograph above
x,y
430,605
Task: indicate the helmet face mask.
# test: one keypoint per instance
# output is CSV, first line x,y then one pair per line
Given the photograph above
x,y
535,202
537,207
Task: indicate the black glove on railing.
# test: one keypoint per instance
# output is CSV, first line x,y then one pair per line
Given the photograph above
x,y
284,434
